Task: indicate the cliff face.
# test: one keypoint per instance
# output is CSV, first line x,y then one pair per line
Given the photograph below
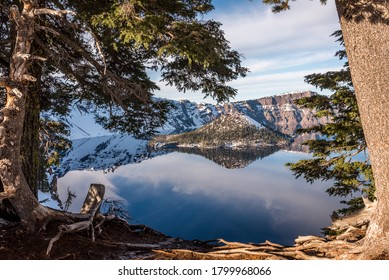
x,y
280,113
276,112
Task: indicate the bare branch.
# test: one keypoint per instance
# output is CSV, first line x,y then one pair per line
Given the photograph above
x,y
29,56
30,78
100,51
46,11
15,15
17,92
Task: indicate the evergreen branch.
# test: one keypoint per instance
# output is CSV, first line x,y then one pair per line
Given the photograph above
x,y
342,138
63,67
109,80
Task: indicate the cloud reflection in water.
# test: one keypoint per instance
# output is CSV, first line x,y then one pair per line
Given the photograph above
x,y
194,198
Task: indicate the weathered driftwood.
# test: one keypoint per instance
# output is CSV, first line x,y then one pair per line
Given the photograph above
x,y
308,238
90,208
344,246
95,195
188,254
356,219
311,249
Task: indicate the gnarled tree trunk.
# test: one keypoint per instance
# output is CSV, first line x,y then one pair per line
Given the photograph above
x,y
30,149
12,119
365,27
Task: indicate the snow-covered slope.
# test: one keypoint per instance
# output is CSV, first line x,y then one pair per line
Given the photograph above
x,y
277,112
229,130
187,116
105,153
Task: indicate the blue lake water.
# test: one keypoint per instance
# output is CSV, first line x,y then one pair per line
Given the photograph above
x,y
190,196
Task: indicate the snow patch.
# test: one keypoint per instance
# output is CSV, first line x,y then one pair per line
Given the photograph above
x,y
253,122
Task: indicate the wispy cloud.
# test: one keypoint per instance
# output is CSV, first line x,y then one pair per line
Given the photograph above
x,y
255,31
279,49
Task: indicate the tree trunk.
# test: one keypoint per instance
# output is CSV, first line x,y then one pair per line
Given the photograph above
x,y
30,150
12,119
365,27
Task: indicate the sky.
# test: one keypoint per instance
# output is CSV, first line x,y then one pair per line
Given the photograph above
x,y
279,49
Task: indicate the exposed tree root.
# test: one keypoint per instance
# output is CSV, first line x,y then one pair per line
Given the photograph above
x,y
89,209
312,249
344,242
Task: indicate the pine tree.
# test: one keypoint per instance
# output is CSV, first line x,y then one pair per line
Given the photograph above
x,y
365,27
340,155
97,53
132,37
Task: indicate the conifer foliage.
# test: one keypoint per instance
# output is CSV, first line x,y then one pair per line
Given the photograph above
x,y
97,54
340,155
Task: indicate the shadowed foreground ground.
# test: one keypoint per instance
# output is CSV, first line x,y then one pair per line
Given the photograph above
x,y
118,240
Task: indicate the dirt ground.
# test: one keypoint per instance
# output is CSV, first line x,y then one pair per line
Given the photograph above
x,y
118,240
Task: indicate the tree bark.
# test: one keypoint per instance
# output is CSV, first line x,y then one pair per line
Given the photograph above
x,y
15,185
365,27
30,148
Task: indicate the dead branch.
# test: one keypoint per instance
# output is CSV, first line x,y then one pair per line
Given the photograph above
x,y
90,207
15,15
267,242
46,11
238,244
356,219
29,78
134,245
73,228
309,238
102,219
93,199
29,56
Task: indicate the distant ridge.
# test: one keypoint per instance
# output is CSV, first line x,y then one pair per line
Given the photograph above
x,y
232,129
278,112
264,119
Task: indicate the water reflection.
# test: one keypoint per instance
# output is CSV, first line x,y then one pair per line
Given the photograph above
x,y
190,196
232,158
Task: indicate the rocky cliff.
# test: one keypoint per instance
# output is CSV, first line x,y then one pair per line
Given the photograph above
x,y
277,112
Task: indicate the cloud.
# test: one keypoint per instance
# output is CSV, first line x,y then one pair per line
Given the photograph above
x,y
256,86
297,59
279,49
258,31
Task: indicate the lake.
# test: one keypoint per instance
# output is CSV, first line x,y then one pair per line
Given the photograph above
x,y
235,195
